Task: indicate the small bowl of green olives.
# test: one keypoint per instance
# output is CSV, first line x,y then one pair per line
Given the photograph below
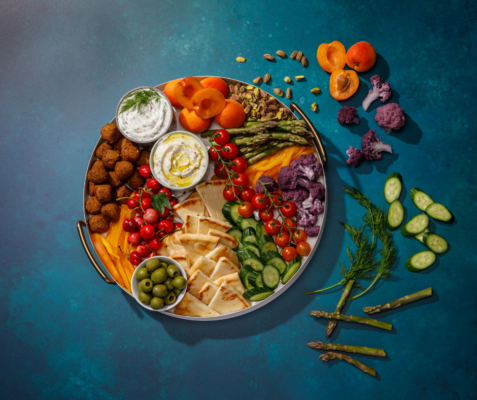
x,y
159,283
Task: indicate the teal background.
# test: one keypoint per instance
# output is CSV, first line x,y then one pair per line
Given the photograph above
x,y
64,333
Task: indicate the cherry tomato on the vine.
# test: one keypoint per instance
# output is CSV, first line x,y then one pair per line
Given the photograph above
x,y
213,153
231,193
241,179
239,164
246,209
220,170
230,151
222,136
167,191
282,239
153,184
272,227
135,258
260,201
145,171
289,253
247,194
288,209
289,225
303,249
300,236
265,215
277,199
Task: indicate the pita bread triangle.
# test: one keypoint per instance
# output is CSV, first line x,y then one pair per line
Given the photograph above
x,y
224,251
224,238
206,223
192,307
207,292
227,299
194,206
211,193
191,224
198,245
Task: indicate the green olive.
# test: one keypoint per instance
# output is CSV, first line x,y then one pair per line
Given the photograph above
x,y
160,291
144,298
173,271
177,292
159,276
153,264
145,285
142,273
179,282
170,298
157,303
169,284
164,265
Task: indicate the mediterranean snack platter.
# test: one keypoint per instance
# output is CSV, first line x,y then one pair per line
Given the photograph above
x,y
205,198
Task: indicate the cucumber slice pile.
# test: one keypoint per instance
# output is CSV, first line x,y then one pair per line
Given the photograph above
x,y
415,225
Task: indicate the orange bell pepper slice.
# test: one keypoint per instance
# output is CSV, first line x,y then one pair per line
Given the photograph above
x,y
105,258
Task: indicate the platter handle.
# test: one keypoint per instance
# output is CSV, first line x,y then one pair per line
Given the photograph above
x,y
319,143
80,225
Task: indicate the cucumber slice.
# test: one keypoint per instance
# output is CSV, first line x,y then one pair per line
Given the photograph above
x,y
271,276
415,225
263,231
266,243
255,278
440,212
257,294
243,273
435,243
275,259
236,234
292,268
248,285
395,215
249,258
393,187
249,235
420,199
248,223
230,212
243,254
420,261
420,236
249,246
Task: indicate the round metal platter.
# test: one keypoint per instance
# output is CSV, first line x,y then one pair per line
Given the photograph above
x,y
314,242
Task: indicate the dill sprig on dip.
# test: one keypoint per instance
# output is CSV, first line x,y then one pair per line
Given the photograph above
x,y
138,98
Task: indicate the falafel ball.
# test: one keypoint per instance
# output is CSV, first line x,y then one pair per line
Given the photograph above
x,y
93,206
123,169
110,212
98,224
103,148
121,192
110,133
144,157
104,193
91,188
114,179
110,158
129,151
98,173
117,146
136,180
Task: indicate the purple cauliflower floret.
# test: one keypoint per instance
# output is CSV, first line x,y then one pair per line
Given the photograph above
x,y
356,156
307,167
317,190
287,178
297,196
381,90
348,115
312,231
317,207
271,187
305,218
390,117
372,146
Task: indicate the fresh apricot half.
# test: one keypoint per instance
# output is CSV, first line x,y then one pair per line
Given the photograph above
x,y
331,56
192,122
361,56
185,89
232,116
216,83
169,92
343,84
208,103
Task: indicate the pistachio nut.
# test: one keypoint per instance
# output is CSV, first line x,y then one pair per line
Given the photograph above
x,y
299,56
257,80
281,53
304,62
266,79
278,92
287,79
240,59
293,55
289,93
299,78
314,107
315,90
269,57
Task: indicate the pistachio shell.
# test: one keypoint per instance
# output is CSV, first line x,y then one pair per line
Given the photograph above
x,y
240,59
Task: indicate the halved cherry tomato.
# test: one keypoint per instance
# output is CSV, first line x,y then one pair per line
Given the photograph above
x,y
265,215
239,164
245,209
277,199
303,249
289,253
219,170
288,209
247,194
260,201
213,153
231,193
272,227
241,179
222,136
282,239
290,225
230,151
300,236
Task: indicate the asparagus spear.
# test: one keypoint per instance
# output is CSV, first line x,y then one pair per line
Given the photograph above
x,y
270,124
343,357
349,349
399,302
352,318
332,324
273,124
289,137
251,130
272,150
254,152
252,140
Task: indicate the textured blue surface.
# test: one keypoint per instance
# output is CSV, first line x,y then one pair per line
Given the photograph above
x,y
64,333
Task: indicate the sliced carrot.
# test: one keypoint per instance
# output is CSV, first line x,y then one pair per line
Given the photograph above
x,y
105,258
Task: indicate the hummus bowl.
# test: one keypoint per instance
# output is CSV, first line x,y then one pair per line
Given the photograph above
x,y
179,160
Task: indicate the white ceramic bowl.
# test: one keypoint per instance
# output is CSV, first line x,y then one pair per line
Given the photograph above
x,y
134,283
162,182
